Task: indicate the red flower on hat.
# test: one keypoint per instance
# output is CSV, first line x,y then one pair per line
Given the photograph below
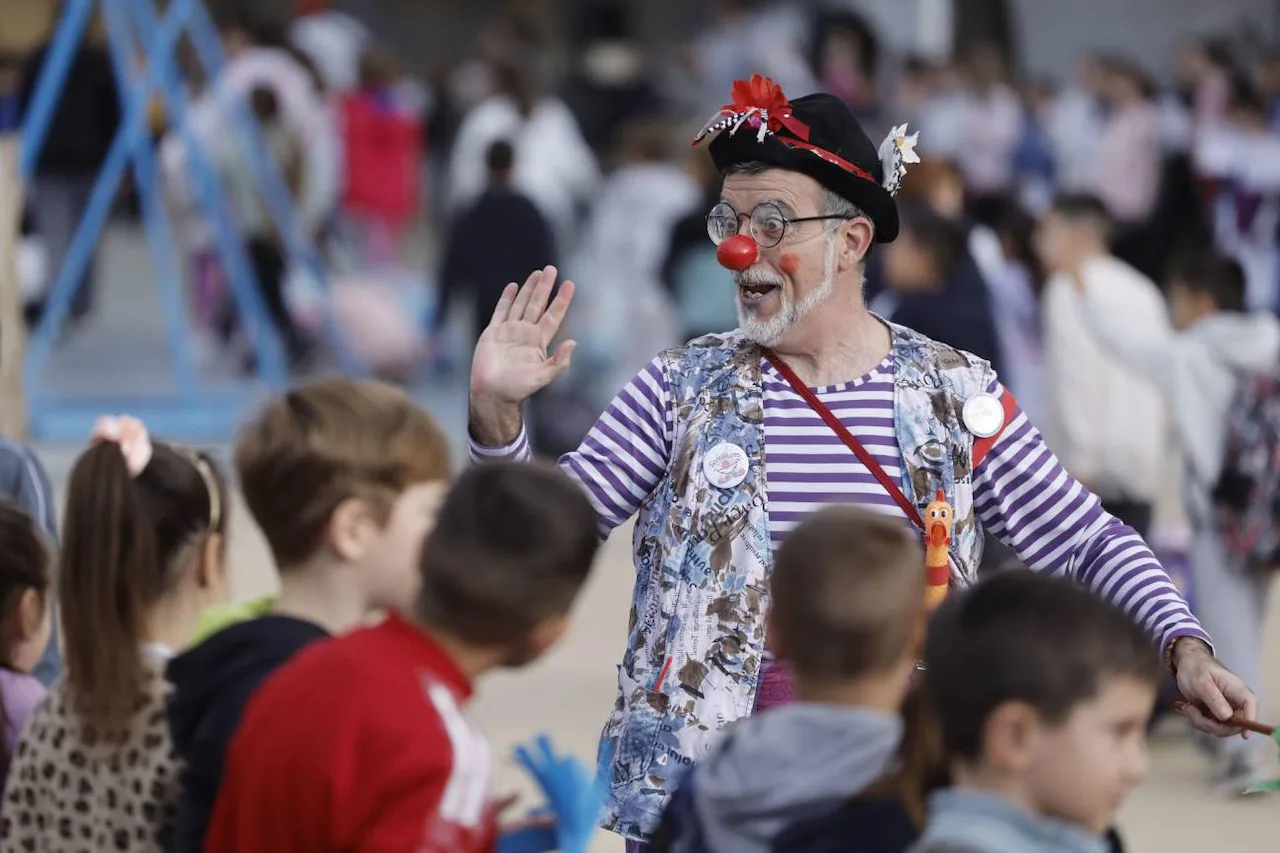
x,y
762,98
760,103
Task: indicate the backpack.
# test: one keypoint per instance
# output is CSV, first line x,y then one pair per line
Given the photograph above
x,y
1246,498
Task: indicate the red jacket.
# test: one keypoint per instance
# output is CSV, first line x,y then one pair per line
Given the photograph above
x,y
358,744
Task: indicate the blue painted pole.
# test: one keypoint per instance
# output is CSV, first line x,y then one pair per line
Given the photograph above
x,y
230,243
160,239
53,74
300,247
40,345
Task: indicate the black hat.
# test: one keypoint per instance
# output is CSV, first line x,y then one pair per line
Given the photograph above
x,y
816,135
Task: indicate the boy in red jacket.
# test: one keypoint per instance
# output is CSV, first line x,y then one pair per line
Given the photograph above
x,y
362,743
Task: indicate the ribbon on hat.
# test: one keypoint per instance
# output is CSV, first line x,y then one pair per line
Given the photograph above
x,y
897,150
131,435
760,103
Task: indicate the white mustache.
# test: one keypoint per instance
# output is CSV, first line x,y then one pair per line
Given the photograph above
x,y
756,276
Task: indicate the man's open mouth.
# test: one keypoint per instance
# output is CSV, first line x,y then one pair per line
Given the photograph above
x,y
755,292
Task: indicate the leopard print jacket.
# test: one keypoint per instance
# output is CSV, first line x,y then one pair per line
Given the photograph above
x,y
71,790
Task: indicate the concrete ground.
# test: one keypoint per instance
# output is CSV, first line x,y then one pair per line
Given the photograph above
x,y
569,693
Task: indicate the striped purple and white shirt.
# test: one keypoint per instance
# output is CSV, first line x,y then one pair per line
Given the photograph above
x,y
1021,493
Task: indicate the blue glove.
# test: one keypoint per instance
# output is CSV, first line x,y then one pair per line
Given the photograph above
x,y
573,797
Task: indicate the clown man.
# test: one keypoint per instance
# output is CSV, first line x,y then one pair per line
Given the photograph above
x,y
723,445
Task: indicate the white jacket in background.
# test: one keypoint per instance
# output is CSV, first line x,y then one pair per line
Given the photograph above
x,y
554,167
1107,421
1197,371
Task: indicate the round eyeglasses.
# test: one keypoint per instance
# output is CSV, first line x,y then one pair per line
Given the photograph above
x,y
766,224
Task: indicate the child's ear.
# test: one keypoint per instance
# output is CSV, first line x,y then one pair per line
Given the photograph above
x,y
211,572
545,635
31,607
1010,736
351,525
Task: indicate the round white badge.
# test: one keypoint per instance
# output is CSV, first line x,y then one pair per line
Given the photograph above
x,y
983,415
725,465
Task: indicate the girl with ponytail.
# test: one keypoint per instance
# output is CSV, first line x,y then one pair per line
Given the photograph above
x,y
142,555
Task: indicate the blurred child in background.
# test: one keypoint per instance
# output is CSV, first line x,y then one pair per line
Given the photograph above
x,y
1199,360
26,621
142,555
936,286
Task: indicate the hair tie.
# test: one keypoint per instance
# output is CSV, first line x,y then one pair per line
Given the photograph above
x,y
131,435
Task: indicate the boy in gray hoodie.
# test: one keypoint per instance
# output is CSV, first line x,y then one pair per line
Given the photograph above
x,y
847,616
1197,360
1042,691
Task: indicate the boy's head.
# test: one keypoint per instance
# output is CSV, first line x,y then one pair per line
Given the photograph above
x,y
1204,284
500,160
349,473
508,556
263,103
927,251
1076,228
848,600
1043,691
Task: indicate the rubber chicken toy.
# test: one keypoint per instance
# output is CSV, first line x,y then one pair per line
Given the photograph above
x,y
938,517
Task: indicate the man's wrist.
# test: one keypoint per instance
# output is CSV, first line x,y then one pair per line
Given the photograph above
x,y
493,423
1183,648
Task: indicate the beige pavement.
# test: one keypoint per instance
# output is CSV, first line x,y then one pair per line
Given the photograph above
x,y
569,693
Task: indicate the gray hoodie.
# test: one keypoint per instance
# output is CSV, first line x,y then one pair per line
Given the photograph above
x,y
966,821
1198,371
787,764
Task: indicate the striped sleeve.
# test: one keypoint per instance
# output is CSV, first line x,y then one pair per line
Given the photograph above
x,y
1029,502
625,454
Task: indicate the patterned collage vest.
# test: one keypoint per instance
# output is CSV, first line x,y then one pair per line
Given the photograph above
x,y
702,555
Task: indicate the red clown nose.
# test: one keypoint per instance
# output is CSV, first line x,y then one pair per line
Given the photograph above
x,y
737,253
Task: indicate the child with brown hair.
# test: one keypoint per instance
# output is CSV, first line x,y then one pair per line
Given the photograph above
x,y
847,616
142,554
26,620
363,743
344,477
1042,692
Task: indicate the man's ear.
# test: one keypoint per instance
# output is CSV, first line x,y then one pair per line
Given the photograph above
x,y
351,526
856,237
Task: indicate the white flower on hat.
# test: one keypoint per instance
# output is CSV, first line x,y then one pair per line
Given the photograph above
x,y
897,150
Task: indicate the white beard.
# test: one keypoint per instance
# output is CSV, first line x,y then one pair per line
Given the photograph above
x,y
768,333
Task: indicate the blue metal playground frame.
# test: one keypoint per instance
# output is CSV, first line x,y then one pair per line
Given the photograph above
x,y
191,411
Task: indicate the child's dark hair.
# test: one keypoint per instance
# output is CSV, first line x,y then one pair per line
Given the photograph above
x,y
500,157
847,594
24,565
1084,209
1218,276
940,238
264,104
511,548
125,542
1021,636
